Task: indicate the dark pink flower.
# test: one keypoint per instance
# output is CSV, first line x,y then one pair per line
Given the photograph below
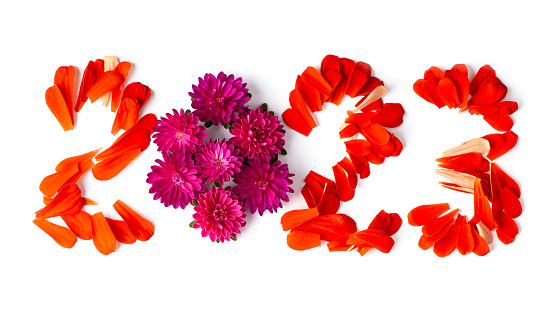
x,y
218,160
178,133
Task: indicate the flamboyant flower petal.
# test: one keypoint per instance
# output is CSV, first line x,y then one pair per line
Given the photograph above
x,y
80,224
103,238
425,214
63,236
140,228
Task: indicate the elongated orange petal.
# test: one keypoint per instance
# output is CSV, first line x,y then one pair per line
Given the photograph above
x,y
64,79
57,105
80,159
465,240
447,244
52,183
347,165
137,91
428,90
461,82
448,93
329,226
426,242
358,78
90,75
89,202
346,68
483,212
301,240
136,139
381,243
297,103
141,228
467,161
480,246
122,68
344,190
358,147
147,123
121,231
308,196
339,244
107,82
109,168
127,115
310,95
296,122
375,133
80,224
313,77
67,202
63,236
110,64
500,123
83,168
294,218
435,226
103,238
425,214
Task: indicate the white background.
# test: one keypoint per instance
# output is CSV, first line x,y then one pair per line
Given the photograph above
x,y
268,44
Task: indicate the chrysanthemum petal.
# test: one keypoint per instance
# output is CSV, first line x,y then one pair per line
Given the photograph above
x,y
90,75
310,95
64,79
313,77
343,188
127,115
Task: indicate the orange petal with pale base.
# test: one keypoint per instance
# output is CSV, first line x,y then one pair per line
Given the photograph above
x,y
103,237
141,228
67,202
425,214
294,218
51,184
121,231
80,224
109,168
107,82
63,236
57,105
301,240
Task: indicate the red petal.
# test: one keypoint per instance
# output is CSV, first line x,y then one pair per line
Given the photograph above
x,y
329,204
57,105
370,85
110,167
428,90
381,243
461,82
123,69
301,240
510,203
121,231
64,79
465,240
107,82
127,115
357,79
339,244
63,236
312,77
483,73
294,218
141,228
448,93
308,197
374,158
358,147
505,180
340,90
344,190
387,149
329,226
500,144
313,177
349,131
361,165
500,123
481,247
135,140
147,123
447,244
434,227
483,212
330,62
310,95
392,112
346,164
80,224
375,133
52,183
470,161
506,224
297,103
103,238
295,121
90,75
434,73
426,242
67,202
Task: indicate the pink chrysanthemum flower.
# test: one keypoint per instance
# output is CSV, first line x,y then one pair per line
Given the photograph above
x,y
175,180
219,99
218,161
178,133
262,186
258,133
219,214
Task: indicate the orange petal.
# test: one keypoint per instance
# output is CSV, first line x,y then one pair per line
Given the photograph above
x,y
434,73
89,77
339,244
467,161
344,190
57,105
123,69
425,214
137,91
141,228
358,147
483,73
83,168
103,238
349,131
375,133
67,202
294,218
483,212
333,78
500,123
337,95
306,193
447,244
313,77
317,178
147,123
370,85
89,202
358,78
375,158
107,82
127,115
329,226
79,159
64,79
109,168
426,242
295,121
121,231
52,183
461,82
448,93
297,103
390,223
428,90
310,95
435,226
361,165
63,236
465,241
136,139
481,247
381,243
80,224
301,240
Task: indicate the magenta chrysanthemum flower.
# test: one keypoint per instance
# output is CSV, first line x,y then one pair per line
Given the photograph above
x,y
258,133
219,99
178,133
219,214
262,186
218,161
174,181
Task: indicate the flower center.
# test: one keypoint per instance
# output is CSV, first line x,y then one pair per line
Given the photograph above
x,y
218,213
258,133
177,178
262,184
219,100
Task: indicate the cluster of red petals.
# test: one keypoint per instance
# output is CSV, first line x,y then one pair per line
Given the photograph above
x,y
62,196
482,96
337,77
